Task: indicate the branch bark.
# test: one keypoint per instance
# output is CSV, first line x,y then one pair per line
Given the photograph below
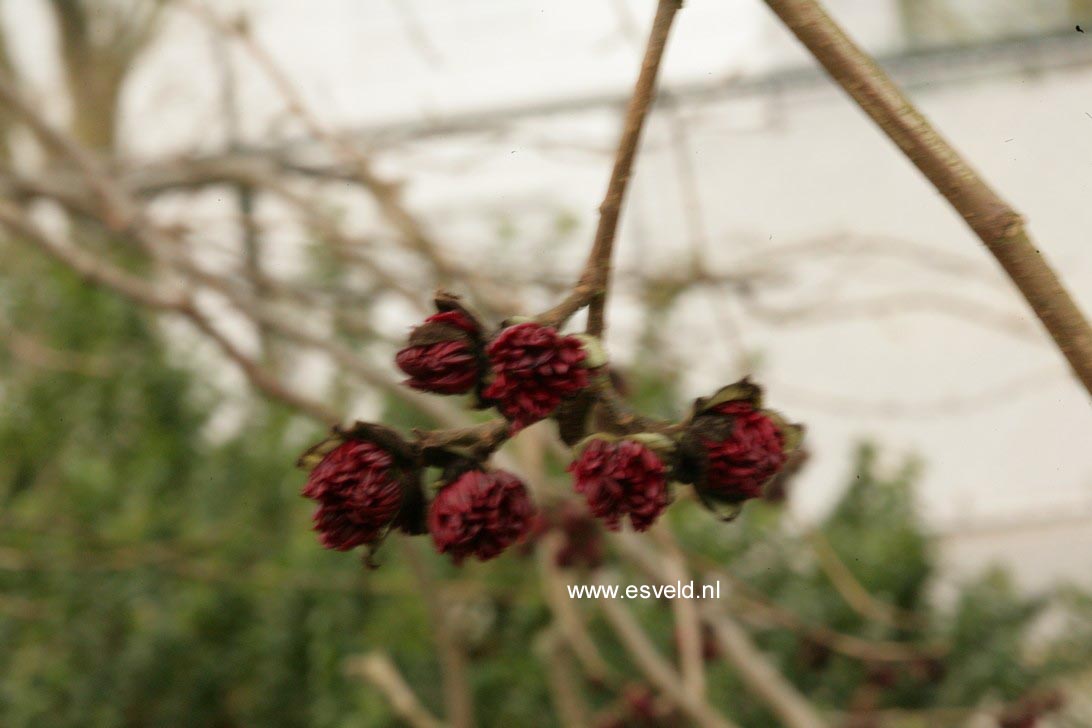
x,y
687,619
458,695
591,289
997,225
658,670
99,273
780,695
378,669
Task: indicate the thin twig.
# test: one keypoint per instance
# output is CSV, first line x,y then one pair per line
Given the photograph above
x,y
757,673
591,289
156,243
687,619
378,669
116,212
996,395
850,588
97,272
564,687
756,608
658,670
767,684
387,194
568,619
458,698
995,223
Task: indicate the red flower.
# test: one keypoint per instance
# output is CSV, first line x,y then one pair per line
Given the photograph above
x,y
441,357
741,463
359,492
535,368
480,513
619,479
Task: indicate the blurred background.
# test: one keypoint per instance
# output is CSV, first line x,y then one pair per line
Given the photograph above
x,y
219,220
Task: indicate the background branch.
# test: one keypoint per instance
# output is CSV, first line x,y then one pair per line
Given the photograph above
x,y
378,669
995,223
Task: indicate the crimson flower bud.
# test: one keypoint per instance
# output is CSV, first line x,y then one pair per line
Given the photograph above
x,y
534,369
359,491
621,478
442,356
741,462
480,513
731,447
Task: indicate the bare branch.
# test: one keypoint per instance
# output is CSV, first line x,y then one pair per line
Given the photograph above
x,y
759,675
896,303
97,272
995,223
378,669
851,589
591,289
454,670
387,194
656,668
564,687
756,608
770,686
687,619
116,212
569,621
995,395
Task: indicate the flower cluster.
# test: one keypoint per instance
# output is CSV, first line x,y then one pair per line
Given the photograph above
x,y
732,447
729,449
367,480
747,457
525,371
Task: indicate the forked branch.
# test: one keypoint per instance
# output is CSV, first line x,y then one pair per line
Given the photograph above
x,y
591,289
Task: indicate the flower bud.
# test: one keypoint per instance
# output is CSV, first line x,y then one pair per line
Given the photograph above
x,y
733,447
480,513
534,369
364,482
623,477
443,354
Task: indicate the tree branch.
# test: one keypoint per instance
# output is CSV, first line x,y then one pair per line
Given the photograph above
x,y
658,671
995,223
116,213
564,687
99,273
378,669
567,618
458,697
687,619
759,675
591,289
